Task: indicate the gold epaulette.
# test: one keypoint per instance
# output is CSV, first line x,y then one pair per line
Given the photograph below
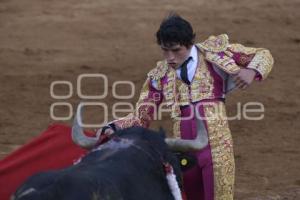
x,y
215,44
159,71
215,50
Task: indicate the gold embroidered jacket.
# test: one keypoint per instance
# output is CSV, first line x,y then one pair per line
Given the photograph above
x,y
218,61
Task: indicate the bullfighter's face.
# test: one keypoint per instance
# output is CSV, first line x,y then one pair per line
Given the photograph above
x,y
175,54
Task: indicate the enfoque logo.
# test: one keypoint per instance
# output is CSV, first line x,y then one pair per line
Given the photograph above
x,y
247,111
98,100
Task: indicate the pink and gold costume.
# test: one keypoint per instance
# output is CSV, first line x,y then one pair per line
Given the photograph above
x,y
218,60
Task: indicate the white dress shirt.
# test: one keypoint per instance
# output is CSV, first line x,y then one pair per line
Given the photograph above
x,y
191,66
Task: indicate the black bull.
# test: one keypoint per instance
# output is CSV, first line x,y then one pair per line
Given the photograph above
x,y
128,167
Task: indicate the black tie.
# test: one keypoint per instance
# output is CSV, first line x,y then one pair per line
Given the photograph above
x,y
184,72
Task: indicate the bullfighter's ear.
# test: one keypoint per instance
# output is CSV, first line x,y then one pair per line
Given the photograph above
x,y
162,132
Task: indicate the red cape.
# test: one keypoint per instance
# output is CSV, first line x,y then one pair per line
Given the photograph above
x,y
52,149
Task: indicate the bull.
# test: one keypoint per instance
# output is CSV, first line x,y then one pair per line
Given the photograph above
x,y
132,165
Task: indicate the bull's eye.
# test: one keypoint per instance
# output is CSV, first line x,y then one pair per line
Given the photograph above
x,y
184,162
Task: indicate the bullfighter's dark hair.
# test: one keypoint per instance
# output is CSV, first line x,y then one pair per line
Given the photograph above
x,y
175,30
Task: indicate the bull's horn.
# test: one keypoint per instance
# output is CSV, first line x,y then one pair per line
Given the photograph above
x,y
80,138
197,144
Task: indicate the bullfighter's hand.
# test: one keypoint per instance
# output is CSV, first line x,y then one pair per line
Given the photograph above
x,y
106,130
244,78
109,131
104,134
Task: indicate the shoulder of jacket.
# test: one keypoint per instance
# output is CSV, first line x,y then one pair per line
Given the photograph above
x,y
215,51
159,71
214,44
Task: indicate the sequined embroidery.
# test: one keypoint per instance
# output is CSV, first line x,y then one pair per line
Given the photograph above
x,y
222,150
144,112
242,49
215,43
159,71
224,62
262,62
203,84
244,59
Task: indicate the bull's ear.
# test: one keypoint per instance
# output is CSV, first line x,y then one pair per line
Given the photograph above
x,y
162,132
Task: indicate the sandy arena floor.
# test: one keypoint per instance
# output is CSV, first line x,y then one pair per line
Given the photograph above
x,y
43,41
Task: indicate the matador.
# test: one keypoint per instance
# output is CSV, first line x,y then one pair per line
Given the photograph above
x,y
193,80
